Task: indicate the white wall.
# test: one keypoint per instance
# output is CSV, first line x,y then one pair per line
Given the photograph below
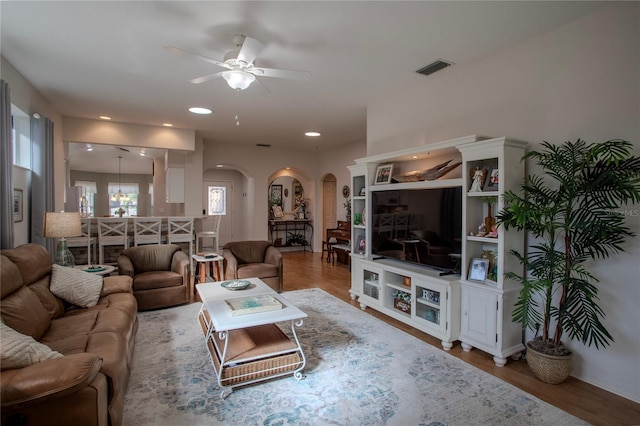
x,y
335,161
581,80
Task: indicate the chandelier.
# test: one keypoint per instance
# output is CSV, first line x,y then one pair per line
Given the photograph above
x,y
119,196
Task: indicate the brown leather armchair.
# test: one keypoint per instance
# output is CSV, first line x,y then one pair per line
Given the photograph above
x,y
247,259
161,275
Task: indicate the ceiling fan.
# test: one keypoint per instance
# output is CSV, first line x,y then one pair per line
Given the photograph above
x,y
240,70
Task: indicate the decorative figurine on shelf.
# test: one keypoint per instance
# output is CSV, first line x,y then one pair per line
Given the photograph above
x,y
478,176
481,230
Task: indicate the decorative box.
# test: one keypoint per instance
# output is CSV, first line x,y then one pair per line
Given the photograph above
x,y
402,305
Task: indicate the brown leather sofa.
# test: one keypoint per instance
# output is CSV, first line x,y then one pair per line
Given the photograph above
x,y
161,275
247,259
87,385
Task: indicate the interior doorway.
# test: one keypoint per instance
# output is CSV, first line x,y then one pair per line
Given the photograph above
x,y
329,191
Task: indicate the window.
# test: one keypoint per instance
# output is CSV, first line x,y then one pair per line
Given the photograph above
x,y
90,190
216,200
123,196
21,135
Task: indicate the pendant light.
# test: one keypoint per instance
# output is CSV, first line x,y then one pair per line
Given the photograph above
x,y
119,196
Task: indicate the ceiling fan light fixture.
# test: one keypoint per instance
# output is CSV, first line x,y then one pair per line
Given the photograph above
x,y
238,79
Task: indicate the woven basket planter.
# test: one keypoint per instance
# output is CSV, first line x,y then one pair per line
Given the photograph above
x,y
549,368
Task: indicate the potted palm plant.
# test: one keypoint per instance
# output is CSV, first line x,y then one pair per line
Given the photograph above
x,y
573,212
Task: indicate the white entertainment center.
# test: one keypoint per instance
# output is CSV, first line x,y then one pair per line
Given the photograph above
x,y
447,305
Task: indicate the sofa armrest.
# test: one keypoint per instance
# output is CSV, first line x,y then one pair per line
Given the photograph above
x,y
273,256
180,262
116,284
125,266
230,264
48,379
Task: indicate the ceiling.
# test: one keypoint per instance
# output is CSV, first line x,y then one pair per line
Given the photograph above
x,y
96,58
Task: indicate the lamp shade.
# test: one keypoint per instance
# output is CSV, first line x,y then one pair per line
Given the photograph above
x,y
60,225
237,79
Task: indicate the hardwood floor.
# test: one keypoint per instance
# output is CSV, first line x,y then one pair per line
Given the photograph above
x,y
304,270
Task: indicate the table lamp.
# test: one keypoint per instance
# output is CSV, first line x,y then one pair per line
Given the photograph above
x,y
61,225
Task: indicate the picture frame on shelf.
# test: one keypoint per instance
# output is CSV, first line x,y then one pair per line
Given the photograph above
x,y
492,180
363,191
478,270
18,205
362,244
383,174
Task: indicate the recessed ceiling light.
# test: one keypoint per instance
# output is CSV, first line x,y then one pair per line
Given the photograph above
x,y
219,165
142,153
198,110
105,117
167,124
312,134
415,156
89,147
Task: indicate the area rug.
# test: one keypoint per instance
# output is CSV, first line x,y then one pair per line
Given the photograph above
x,y
360,371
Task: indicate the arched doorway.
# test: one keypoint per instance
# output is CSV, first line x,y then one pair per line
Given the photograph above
x,y
329,207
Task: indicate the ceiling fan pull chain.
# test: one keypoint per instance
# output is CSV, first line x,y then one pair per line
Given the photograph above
x,y
237,106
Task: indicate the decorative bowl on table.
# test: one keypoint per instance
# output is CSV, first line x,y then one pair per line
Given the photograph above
x,y
235,284
94,268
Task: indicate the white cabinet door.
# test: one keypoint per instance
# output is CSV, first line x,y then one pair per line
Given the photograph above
x,y
175,185
479,317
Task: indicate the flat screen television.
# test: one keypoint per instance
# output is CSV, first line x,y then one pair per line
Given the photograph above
x,y
422,226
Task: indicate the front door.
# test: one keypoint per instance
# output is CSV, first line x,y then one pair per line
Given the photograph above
x,y
218,200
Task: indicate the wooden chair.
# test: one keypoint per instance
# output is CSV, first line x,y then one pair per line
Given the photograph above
x,y
86,240
147,230
112,231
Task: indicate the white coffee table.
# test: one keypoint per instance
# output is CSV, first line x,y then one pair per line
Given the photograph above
x,y
249,348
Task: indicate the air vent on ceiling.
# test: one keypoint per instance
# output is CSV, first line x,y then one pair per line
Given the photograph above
x,y
263,145
433,67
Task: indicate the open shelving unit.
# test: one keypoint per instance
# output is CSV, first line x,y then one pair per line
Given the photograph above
x,y
450,307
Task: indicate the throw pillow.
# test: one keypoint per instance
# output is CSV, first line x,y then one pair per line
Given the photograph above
x,y
75,286
19,350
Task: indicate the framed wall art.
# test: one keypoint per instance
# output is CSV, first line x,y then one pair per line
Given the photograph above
x,y
18,205
275,197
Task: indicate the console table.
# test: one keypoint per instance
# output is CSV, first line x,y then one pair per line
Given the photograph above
x,y
298,226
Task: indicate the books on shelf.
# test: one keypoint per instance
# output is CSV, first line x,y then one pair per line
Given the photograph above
x,y
253,304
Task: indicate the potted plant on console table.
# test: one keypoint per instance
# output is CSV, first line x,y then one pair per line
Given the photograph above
x,y
572,210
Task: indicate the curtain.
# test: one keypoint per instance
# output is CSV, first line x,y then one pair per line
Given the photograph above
x,y
89,187
42,184
127,188
6,168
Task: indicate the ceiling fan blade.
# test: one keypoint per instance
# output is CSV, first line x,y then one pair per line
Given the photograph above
x,y
205,78
249,50
179,50
272,72
263,85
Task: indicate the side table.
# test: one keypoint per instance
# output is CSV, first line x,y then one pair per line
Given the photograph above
x,y
103,270
215,270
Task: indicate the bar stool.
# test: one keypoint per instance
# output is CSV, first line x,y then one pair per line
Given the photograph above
x,y
146,230
86,240
112,231
210,234
180,230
